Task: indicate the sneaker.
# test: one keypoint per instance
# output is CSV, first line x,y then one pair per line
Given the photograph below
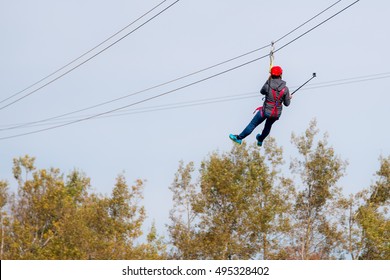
x,y
259,143
234,139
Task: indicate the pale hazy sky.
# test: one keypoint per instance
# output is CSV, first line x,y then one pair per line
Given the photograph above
x,y
38,37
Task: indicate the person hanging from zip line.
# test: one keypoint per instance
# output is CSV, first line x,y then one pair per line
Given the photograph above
x,y
276,94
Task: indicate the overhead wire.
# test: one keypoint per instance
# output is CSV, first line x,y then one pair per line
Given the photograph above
x,y
316,26
181,77
84,61
351,80
181,87
220,99
306,22
84,54
155,108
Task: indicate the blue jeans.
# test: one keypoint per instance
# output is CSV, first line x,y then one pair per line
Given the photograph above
x,y
258,119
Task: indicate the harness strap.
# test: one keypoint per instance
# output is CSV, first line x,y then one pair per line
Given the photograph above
x,y
276,102
259,109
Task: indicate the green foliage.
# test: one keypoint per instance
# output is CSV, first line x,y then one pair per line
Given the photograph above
x,y
235,209
182,229
373,216
242,207
4,219
315,232
352,232
380,194
239,205
54,218
366,221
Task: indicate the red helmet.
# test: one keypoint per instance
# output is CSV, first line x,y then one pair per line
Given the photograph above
x,y
276,71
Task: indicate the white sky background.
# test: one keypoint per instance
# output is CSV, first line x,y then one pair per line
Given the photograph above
x,y
38,37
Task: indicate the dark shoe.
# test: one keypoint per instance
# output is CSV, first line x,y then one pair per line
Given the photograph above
x,y
259,143
234,139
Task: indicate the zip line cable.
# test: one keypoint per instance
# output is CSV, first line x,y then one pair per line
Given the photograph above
x,y
241,96
320,13
284,36
176,79
329,18
179,88
86,60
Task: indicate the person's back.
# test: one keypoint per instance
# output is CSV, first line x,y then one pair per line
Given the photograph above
x,y
276,93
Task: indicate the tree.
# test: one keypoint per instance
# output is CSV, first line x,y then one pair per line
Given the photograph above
x,y
373,216
108,226
154,249
125,217
56,218
352,231
315,232
40,205
236,208
182,229
4,220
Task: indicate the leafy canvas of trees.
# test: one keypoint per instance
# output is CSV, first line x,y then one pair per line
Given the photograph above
x,y
240,204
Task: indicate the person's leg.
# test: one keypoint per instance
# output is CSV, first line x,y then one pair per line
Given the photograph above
x,y
267,129
257,119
